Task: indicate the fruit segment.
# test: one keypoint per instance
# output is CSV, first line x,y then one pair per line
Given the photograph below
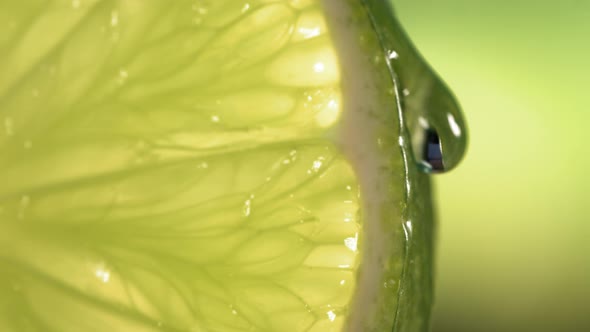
x,y
169,166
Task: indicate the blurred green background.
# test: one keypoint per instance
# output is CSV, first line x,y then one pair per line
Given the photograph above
x,y
514,235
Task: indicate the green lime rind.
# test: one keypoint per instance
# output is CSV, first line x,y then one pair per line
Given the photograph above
x,y
397,231
423,97
414,302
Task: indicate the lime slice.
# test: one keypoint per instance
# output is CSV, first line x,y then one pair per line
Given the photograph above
x,y
224,165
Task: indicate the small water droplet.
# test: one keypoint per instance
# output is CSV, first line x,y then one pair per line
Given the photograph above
x,y
247,208
75,4
317,164
351,243
431,113
319,67
28,144
331,315
347,217
393,55
102,274
215,118
200,9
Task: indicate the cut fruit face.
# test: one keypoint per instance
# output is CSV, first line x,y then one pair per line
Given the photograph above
x,y
202,165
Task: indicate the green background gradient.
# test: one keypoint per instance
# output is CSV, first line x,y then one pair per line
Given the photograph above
x,y
514,235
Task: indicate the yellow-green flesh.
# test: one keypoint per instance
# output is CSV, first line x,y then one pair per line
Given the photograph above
x,y
170,166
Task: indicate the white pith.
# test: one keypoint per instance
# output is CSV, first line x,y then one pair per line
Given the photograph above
x,y
357,142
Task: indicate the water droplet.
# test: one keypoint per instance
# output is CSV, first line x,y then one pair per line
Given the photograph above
x,y
75,4
233,309
28,144
102,274
392,55
351,243
431,113
319,67
247,208
317,164
200,9
348,217
215,119
331,315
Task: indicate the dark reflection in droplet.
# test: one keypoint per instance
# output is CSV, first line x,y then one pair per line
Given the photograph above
x,y
432,153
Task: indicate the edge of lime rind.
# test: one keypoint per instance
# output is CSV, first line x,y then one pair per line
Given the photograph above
x,y
369,133
416,291
397,240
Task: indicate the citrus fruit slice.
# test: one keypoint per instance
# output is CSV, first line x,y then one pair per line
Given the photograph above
x,y
203,165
